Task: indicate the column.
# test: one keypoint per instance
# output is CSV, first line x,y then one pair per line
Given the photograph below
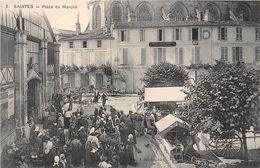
x,y
21,78
57,67
43,71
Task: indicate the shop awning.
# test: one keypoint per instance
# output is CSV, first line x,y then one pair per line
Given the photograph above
x,y
163,94
170,122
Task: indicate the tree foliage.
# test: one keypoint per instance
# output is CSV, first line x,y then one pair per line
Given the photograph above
x,y
225,98
165,75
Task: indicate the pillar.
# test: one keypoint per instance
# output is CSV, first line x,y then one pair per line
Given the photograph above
x,y
43,70
57,67
21,78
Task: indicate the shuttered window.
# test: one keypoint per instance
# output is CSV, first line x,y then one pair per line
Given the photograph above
x,y
222,33
142,35
125,55
181,56
143,56
257,53
160,35
238,34
237,54
224,53
195,55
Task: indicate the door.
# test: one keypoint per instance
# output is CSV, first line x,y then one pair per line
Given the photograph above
x,y
99,80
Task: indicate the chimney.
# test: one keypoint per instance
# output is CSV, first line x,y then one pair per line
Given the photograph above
x,y
78,29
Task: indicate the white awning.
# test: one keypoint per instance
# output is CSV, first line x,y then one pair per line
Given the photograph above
x,y
162,94
168,122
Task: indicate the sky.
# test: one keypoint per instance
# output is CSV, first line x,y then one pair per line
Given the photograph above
x,y
60,18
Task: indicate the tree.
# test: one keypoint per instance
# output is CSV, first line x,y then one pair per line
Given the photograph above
x,y
224,99
165,74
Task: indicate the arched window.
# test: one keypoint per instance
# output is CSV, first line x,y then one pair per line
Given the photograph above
x,y
116,13
214,12
242,11
178,12
144,12
97,17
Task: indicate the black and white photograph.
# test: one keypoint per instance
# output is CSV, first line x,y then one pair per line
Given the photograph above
x,y
130,83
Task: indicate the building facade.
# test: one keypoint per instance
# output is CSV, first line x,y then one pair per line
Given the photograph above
x,y
204,31
29,69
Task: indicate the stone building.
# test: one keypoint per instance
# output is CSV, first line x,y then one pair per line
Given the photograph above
x,y
29,69
204,31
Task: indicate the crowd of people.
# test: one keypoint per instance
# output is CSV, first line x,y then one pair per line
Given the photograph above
x,y
103,139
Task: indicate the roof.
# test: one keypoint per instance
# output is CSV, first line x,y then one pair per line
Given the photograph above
x,y
169,122
86,36
162,94
163,23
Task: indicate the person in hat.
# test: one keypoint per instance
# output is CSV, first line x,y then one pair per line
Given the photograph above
x,y
60,121
57,163
75,152
130,150
104,99
63,160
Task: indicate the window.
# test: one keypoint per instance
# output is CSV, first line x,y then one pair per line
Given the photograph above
x,y
71,45
144,12
178,12
84,44
222,33
179,56
224,53
116,12
123,35
142,35
196,55
238,34
237,53
125,53
257,53
159,55
257,34
178,34
99,43
143,56
160,34
97,17
195,34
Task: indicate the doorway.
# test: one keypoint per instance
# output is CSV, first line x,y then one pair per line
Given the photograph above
x,y
33,99
99,80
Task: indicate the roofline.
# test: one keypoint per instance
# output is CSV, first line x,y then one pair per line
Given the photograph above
x,y
131,25
70,39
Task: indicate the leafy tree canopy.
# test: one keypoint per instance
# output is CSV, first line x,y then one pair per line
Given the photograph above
x,y
165,75
225,98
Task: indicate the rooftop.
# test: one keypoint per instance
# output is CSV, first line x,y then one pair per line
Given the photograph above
x,y
151,24
89,35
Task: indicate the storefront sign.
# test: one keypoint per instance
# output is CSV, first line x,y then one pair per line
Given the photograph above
x,y
162,44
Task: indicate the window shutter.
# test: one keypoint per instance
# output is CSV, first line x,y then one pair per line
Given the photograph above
x,y
189,34
127,34
121,57
256,53
240,53
163,35
155,59
201,34
193,55
225,33
219,33
222,53
226,53
233,54
176,56
197,55
173,35
164,55
119,35
181,56
180,33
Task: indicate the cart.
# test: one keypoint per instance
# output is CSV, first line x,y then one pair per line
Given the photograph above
x,y
227,144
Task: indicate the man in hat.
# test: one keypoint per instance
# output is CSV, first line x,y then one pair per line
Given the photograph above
x,y
60,120
75,152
